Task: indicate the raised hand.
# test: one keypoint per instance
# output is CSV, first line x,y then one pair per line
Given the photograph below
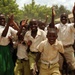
x,y
53,11
10,19
24,22
73,11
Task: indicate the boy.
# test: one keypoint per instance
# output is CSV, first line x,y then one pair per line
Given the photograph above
x,y
33,37
22,63
49,53
66,35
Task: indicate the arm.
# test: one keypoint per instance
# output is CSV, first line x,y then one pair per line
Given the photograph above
x,y
46,19
73,11
15,25
38,57
4,33
24,22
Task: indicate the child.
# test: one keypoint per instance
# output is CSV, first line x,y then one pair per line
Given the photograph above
x,y
22,63
49,53
66,35
33,37
6,63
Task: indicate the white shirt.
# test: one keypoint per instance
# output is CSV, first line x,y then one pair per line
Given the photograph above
x,y
4,40
21,51
66,33
41,35
50,53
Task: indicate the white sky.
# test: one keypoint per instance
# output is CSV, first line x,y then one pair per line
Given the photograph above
x,y
67,3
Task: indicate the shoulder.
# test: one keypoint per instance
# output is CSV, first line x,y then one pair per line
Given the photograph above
x,y
59,42
57,25
71,24
40,30
44,42
28,32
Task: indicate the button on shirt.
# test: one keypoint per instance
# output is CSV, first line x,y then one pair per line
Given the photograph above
x,y
66,33
5,40
41,35
50,53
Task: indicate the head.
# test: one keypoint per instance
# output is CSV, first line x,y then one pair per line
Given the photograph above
x,y
52,35
64,18
24,29
33,24
2,20
41,25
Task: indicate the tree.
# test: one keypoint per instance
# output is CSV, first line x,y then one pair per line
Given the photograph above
x,y
10,7
33,10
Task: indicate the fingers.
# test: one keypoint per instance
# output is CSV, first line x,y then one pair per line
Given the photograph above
x,y
73,10
24,22
53,11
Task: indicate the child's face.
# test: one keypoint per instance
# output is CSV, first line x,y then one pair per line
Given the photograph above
x,y
64,18
52,36
2,20
33,25
42,26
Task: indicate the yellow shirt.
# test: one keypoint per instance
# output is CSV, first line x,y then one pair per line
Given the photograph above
x,y
50,53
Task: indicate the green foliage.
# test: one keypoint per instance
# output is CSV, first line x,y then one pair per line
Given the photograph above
x,y
29,11
33,10
10,7
60,10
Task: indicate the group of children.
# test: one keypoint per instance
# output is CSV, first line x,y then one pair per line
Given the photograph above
x,y
38,52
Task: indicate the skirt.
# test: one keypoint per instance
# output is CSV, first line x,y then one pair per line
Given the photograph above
x,y
6,63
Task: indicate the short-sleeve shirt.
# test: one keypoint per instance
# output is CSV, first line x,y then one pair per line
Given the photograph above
x,y
5,40
66,33
50,53
21,51
41,35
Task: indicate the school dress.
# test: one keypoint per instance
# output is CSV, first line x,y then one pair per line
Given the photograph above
x,y
6,63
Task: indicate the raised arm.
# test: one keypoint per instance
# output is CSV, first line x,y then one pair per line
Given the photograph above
x,y
23,23
52,25
4,33
73,11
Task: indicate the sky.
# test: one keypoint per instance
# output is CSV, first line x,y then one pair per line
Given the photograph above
x,y
67,3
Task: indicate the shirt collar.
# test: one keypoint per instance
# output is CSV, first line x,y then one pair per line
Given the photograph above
x,y
38,32
54,43
63,24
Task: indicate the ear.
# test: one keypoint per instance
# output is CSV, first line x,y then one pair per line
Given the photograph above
x,y
47,36
56,36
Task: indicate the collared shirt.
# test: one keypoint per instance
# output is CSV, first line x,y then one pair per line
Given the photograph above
x,y
21,51
50,53
41,35
5,40
66,33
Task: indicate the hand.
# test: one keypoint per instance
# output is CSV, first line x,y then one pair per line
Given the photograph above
x,y
73,11
24,22
47,16
35,70
10,20
29,42
53,11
